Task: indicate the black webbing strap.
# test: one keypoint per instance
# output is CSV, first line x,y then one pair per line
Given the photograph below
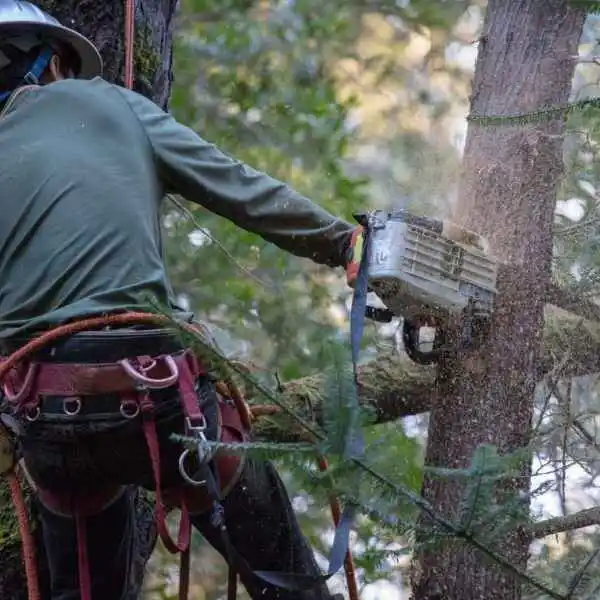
x,y
356,449
288,581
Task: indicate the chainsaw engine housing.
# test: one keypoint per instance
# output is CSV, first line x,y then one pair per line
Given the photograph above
x,y
418,272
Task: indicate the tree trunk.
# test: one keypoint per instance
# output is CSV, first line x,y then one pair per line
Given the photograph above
x,y
103,23
509,185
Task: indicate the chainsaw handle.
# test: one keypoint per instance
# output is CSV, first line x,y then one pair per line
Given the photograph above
x,y
434,225
410,338
380,315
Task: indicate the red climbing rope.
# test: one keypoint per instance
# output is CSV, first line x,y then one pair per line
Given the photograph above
x,y
27,543
129,38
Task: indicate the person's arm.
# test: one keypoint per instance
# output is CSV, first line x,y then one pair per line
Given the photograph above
x,y
200,172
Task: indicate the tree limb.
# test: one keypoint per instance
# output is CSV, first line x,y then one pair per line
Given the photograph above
x,y
391,386
394,387
583,518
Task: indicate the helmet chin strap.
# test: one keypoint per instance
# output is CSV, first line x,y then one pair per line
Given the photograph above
x,y
32,77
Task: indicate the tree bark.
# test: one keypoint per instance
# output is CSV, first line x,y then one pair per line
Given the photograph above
x,y
103,23
508,193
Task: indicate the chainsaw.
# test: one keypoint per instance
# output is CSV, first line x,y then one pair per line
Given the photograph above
x,y
428,271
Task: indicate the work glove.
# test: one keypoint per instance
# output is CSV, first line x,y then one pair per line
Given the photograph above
x,y
354,255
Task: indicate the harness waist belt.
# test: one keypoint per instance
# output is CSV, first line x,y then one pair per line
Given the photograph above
x,y
103,346
72,379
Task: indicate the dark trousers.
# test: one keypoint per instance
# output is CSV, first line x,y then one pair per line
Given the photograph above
x,y
99,449
261,524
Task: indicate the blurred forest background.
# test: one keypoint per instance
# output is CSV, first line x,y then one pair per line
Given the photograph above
x,y
358,105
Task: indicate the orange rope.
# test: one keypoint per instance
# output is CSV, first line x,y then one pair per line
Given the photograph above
x,y
27,544
46,338
129,37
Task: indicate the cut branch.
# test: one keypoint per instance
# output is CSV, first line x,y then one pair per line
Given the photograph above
x,y
583,518
394,387
391,387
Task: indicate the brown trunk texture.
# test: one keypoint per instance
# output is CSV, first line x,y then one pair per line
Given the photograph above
x,y
508,193
103,23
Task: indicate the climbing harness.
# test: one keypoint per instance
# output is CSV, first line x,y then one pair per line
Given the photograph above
x,y
24,381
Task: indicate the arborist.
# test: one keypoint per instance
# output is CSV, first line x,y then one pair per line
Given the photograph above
x,y
85,167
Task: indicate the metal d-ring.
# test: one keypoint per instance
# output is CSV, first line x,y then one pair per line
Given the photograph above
x,y
129,413
184,473
32,414
71,412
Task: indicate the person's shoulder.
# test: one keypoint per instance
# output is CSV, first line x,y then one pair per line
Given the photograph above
x,y
97,85
95,94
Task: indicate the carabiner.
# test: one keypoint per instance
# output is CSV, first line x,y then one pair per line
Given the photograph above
x,y
148,382
188,478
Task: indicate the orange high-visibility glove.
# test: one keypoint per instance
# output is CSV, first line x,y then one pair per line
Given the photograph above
x,y
354,255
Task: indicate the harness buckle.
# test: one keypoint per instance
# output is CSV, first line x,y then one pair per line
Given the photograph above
x,y
203,453
197,430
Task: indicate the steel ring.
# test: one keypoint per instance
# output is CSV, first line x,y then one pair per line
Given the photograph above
x,y
32,414
75,411
190,480
129,414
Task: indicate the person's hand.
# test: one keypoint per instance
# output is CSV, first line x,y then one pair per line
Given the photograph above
x,y
354,255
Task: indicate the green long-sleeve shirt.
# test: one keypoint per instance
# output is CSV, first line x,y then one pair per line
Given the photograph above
x,y
84,167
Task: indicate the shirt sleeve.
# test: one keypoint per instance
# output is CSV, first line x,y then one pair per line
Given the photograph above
x,y
201,173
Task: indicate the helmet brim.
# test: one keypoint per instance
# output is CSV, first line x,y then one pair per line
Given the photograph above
x,y
90,59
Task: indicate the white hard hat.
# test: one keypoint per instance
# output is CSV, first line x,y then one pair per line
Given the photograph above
x,y
24,26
